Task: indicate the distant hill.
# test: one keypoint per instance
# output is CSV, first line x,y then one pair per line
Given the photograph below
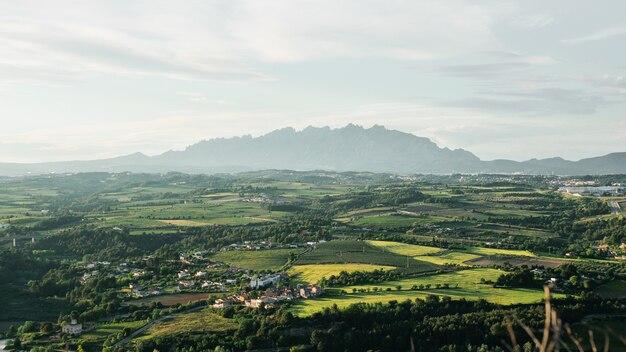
x,y
351,148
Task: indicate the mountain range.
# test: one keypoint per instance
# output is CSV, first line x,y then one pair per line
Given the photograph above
x,y
351,148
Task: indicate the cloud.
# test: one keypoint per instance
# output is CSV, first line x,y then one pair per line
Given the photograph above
x,y
483,70
534,21
600,35
535,101
200,98
36,50
228,41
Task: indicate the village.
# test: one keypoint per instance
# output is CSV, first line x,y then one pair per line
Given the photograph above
x,y
194,272
272,296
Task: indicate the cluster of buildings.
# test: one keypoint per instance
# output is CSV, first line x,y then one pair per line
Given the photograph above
x,y
198,278
138,291
595,191
94,269
265,281
609,251
255,246
272,297
261,198
248,246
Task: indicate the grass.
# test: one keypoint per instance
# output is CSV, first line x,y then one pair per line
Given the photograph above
x,y
391,220
312,273
269,259
184,222
497,251
202,211
468,288
454,258
404,249
196,322
352,251
101,332
170,300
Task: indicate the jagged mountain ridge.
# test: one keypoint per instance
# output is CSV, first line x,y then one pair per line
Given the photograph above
x,y
351,148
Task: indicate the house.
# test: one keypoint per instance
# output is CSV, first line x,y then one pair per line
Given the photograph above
x,y
187,283
256,303
136,290
310,291
265,281
183,274
222,302
73,328
231,281
602,247
201,274
153,291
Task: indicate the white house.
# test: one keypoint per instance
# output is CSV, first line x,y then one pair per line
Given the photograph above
x,y
73,328
265,281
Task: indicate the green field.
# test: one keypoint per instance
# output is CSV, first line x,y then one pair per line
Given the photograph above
x,y
267,259
196,322
469,287
171,299
497,251
404,249
101,332
351,251
449,257
391,220
312,273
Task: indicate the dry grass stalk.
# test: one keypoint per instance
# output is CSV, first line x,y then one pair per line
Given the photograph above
x,y
553,333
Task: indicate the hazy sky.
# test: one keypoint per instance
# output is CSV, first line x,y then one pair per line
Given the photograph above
x,y
503,79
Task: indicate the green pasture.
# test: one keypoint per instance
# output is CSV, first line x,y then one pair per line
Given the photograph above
x,y
312,273
267,259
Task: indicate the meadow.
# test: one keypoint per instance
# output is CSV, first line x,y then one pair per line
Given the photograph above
x,y
312,273
102,331
196,322
361,252
403,248
171,299
264,259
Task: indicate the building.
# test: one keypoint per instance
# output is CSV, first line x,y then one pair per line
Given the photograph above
x,y
221,303
73,328
311,291
256,303
265,281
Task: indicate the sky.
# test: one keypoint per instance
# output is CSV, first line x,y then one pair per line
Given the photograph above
x,y
526,79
